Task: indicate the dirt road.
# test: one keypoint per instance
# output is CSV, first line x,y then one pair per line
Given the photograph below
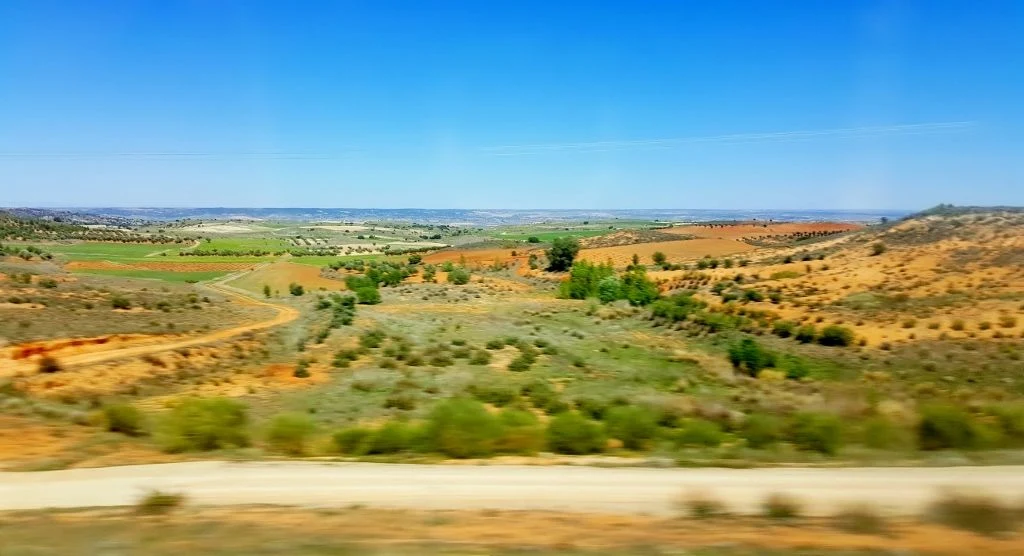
x,y
284,315
898,491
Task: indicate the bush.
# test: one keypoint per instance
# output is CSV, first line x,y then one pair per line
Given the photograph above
x,y
480,357
393,437
609,289
354,440
462,428
806,334
48,364
571,433
701,505
633,425
458,276
877,249
781,506
118,302
533,239
817,432
836,336
290,433
862,519
521,433
124,418
493,392
204,424
522,362
945,427
783,328
368,295
496,343
882,434
761,431
748,355
156,502
700,432
973,512
562,253
296,289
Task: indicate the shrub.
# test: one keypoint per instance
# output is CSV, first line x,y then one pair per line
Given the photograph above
x,y
862,519
593,408
701,505
204,424
493,392
806,334
415,258
391,438
700,432
817,432
354,440
372,338
748,355
533,239
462,428
633,425
368,295
301,369
761,430
1007,321
48,283
562,253
118,302
48,364
783,328
781,506
882,434
974,512
496,343
522,362
480,357
958,325
124,418
609,289
296,289
521,433
571,433
290,433
944,427
156,502
836,336
458,276
877,249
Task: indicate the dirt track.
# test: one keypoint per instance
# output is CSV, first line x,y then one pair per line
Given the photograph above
x,y
284,315
898,491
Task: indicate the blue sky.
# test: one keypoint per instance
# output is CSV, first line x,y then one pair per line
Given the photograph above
x,y
430,104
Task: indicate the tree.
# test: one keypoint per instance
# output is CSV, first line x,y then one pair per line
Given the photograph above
x,y
266,290
368,295
296,289
562,253
636,259
609,289
415,259
533,239
659,258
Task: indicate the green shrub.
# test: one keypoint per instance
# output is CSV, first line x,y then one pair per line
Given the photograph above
x,y
125,419
761,430
521,433
480,357
458,276
368,295
1010,419
634,426
522,362
943,427
974,512
882,434
492,391
462,428
156,502
861,519
562,253
701,505
118,302
781,506
700,432
296,289
805,334
594,408
290,433
571,433
748,355
836,336
372,338
783,328
204,424
496,343
817,432
354,440
392,438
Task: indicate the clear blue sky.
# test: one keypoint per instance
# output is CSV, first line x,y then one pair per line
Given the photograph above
x,y
428,104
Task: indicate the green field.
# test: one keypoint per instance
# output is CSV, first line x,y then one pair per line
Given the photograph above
x,y
551,235
106,251
244,244
168,276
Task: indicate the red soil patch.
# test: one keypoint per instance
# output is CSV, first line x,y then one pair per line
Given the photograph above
x,y
675,251
476,256
76,345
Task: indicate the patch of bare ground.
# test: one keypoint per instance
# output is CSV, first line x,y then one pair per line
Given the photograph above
x,y
261,529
